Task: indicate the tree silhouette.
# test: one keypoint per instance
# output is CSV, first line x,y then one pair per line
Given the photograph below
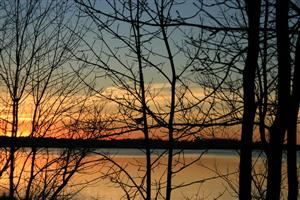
x,y
37,89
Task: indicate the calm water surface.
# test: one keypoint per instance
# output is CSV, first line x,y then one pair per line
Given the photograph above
x,y
214,175
198,174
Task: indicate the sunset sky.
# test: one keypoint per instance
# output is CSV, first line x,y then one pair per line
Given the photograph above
x,y
83,70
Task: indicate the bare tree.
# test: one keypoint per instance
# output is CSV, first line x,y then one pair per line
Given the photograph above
x,y
269,81
279,127
292,131
133,44
293,182
253,11
39,89
134,39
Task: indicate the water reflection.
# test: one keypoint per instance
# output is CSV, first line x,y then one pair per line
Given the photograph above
x,y
118,173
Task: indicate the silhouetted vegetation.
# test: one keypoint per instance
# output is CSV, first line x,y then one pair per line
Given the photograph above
x,y
78,75
214,143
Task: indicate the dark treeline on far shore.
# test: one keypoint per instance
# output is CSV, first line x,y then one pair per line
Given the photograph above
x,y
215,143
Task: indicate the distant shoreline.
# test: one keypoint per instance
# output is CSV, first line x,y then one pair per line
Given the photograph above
x,y
125,143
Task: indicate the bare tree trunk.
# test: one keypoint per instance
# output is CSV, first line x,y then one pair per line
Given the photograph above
x,y
31,176
172,103
171,119
292,129
12,168
15,101
145,125
263,80
253,10
279,127
143,99
15,121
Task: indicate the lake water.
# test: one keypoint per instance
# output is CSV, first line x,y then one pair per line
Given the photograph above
x,y
106,174
205,173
